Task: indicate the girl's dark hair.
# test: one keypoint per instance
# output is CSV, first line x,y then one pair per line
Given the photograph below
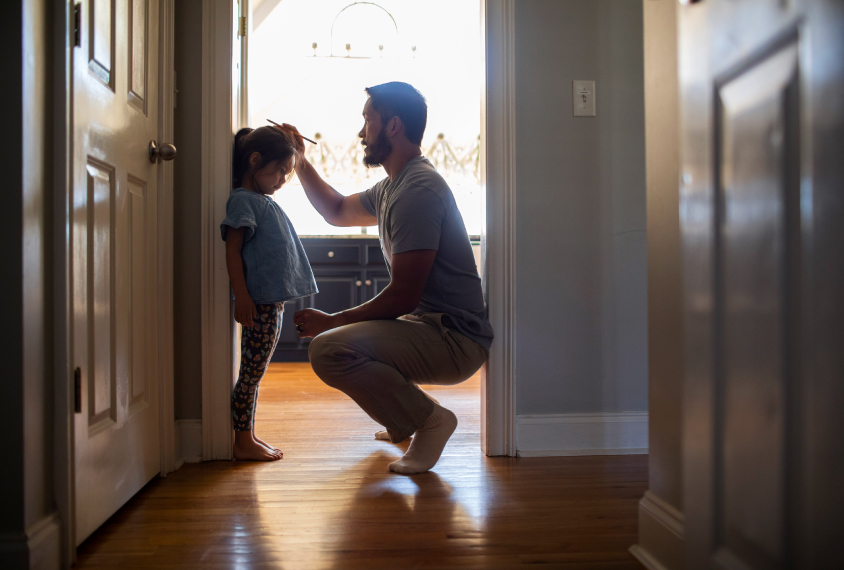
x,y
271,143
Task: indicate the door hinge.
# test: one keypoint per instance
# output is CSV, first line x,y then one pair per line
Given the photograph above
x,y
241,30
77,25
77,390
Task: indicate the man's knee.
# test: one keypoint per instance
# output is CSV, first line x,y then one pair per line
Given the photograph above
x,y
326,356
317,351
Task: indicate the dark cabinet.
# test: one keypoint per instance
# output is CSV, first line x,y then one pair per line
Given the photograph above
x,y
348,272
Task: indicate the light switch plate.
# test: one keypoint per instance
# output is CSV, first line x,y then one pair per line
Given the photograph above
x,y
583,98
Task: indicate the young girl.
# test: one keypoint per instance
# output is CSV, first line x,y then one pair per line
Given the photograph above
x,y
267,266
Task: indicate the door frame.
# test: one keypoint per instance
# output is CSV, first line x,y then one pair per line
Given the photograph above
x,y
218,326
498,243
63,429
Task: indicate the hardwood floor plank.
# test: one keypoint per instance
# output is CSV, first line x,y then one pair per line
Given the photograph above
x,y
332,504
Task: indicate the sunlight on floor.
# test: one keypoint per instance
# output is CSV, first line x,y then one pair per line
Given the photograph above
x,y
331,503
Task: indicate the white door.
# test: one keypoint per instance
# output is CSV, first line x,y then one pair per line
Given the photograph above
x,y
762,212
113,255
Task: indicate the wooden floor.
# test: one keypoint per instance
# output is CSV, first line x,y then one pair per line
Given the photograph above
x,y
332,504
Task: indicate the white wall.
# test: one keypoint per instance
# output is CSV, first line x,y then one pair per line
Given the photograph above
x,y
581,308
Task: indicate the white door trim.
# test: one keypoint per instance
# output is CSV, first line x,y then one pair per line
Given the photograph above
x,y
217,324
498,243
64,475
166,412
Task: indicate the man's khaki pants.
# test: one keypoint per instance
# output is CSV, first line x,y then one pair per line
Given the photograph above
x,y
378,364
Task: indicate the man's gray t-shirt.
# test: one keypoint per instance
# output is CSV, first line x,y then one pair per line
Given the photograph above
x,y
417,211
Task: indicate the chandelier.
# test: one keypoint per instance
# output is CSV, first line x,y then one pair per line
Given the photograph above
x,y
365,30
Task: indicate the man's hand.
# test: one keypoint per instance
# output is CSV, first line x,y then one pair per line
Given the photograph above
x,y
311,322
336,209
297,137
245,311
409,275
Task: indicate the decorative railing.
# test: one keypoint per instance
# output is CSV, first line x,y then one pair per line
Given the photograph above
x,y
342,162
341,165
456,160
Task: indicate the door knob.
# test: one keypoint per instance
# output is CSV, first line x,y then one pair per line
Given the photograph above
x,y
369,282
164,152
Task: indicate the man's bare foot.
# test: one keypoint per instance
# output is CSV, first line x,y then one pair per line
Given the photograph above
x,y
253,451
267,445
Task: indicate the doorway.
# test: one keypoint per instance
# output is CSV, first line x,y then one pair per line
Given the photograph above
x,y
219,89
340,49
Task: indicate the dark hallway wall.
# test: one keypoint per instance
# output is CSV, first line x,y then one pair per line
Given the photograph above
x,y
187,317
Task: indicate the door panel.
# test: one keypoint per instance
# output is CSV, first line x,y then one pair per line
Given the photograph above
x,y
114,230
337,291
759,201
139,47
102,391
755,107
101,39
137,261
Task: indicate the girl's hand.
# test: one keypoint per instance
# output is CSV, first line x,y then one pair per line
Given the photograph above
x,y
311,322
245,311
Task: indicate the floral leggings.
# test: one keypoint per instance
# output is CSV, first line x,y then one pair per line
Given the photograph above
x,y
256,348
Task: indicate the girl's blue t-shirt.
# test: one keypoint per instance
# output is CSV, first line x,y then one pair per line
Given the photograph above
x,y
274,260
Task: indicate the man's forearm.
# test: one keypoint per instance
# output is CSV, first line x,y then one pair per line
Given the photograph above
x,y
387,305
325,199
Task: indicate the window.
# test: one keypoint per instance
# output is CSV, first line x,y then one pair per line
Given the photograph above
x,y
309,63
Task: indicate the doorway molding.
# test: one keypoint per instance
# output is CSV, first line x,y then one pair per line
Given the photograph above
x,y
218,358
166,124
498,243
64,476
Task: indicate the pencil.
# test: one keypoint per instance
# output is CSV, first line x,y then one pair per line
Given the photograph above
x,y
288,130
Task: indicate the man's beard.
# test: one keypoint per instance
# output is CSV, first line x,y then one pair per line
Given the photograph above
x,y
378,151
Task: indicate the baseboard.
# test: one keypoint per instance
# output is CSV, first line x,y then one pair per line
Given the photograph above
x,y
574,452
188,442
645,559
43,540
39,548
662,541
548,435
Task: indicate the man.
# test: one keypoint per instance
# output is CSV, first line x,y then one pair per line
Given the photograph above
x,y
429,325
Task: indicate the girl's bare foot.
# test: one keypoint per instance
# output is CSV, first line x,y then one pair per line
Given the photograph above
x,y
267,445
247,449
254,451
